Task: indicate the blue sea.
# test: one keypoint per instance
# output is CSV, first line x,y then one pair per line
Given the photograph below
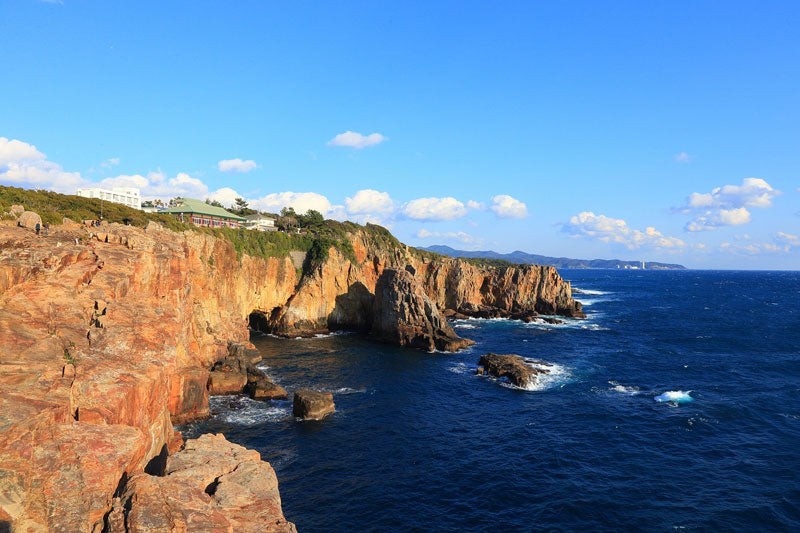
x,y
674,406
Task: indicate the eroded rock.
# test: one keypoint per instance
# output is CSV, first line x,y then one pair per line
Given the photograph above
x,y
210,485
312,404
29,219
512,367
403,314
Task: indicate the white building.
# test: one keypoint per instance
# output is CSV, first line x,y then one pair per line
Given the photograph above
x,y
260,223
119,195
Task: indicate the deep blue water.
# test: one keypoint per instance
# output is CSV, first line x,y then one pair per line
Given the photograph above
x,y
419,443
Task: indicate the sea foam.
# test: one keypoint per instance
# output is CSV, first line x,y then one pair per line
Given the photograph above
x,y
589,291
632,391
243,411
674,396
551,376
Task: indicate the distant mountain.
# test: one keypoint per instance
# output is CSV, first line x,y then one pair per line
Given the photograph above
x,y
558,262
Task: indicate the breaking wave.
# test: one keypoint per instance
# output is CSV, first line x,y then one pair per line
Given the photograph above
x,y
576,290
674,396
632,390
243,411
555,376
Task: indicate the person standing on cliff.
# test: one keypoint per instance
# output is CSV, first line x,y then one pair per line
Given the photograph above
x,y
46,229
38,228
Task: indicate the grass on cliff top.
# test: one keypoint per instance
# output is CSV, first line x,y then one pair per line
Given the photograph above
x,y
317,240
53,207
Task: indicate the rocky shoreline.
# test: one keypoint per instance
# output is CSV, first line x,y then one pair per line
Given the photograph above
x,y
112,335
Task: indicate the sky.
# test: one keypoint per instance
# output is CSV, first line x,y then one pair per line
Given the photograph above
x,y
658,131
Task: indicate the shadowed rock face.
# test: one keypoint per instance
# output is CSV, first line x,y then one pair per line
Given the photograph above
x,y
403,314
312,404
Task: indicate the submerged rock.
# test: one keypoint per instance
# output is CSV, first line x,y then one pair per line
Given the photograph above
x,y
512,367
312,404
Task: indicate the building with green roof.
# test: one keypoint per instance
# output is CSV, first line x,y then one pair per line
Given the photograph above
x,y
200,213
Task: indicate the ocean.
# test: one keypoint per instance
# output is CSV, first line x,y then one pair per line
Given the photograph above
x,y
674,406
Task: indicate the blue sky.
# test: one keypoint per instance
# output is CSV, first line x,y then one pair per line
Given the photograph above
x,y
565,129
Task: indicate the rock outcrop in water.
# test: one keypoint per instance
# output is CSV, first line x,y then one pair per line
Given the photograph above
x,y
108,336
512,367
405,315
312,404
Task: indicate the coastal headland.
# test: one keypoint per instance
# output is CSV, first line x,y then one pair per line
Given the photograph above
x,y
108,335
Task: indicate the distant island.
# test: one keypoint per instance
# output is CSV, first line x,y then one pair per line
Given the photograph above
x,y
558,262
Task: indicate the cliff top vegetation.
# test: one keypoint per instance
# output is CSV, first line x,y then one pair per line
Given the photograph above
x,y
317,237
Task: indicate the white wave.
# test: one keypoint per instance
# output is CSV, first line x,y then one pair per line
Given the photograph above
x,y
589,291
623,389
465,326
346,390
674,396
586,302
243,411
551,375
462,368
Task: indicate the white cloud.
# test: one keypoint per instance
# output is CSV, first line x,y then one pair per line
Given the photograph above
x,y
727,205
236,165
226,196
369,202
22,164
682,157
355,140
452,235
299,201
434,209
615,230
505,206
109,163
787,239
781,243
720,218
478,206
158,185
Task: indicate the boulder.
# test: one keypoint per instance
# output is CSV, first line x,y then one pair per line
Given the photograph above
x,y
29,219
512,367
311,404
265,390
404,314
17,210
210,485
221,383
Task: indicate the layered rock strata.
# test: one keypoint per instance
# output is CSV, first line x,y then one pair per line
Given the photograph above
x,y
108,337
210,485
404,314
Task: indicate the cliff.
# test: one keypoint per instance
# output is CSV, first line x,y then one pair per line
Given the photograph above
x,y
108,335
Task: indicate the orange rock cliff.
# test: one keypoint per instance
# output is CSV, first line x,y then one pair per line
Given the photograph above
x,y
107,337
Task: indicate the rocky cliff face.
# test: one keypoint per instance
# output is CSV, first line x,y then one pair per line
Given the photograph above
x,y
105,342
341,294
107,338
